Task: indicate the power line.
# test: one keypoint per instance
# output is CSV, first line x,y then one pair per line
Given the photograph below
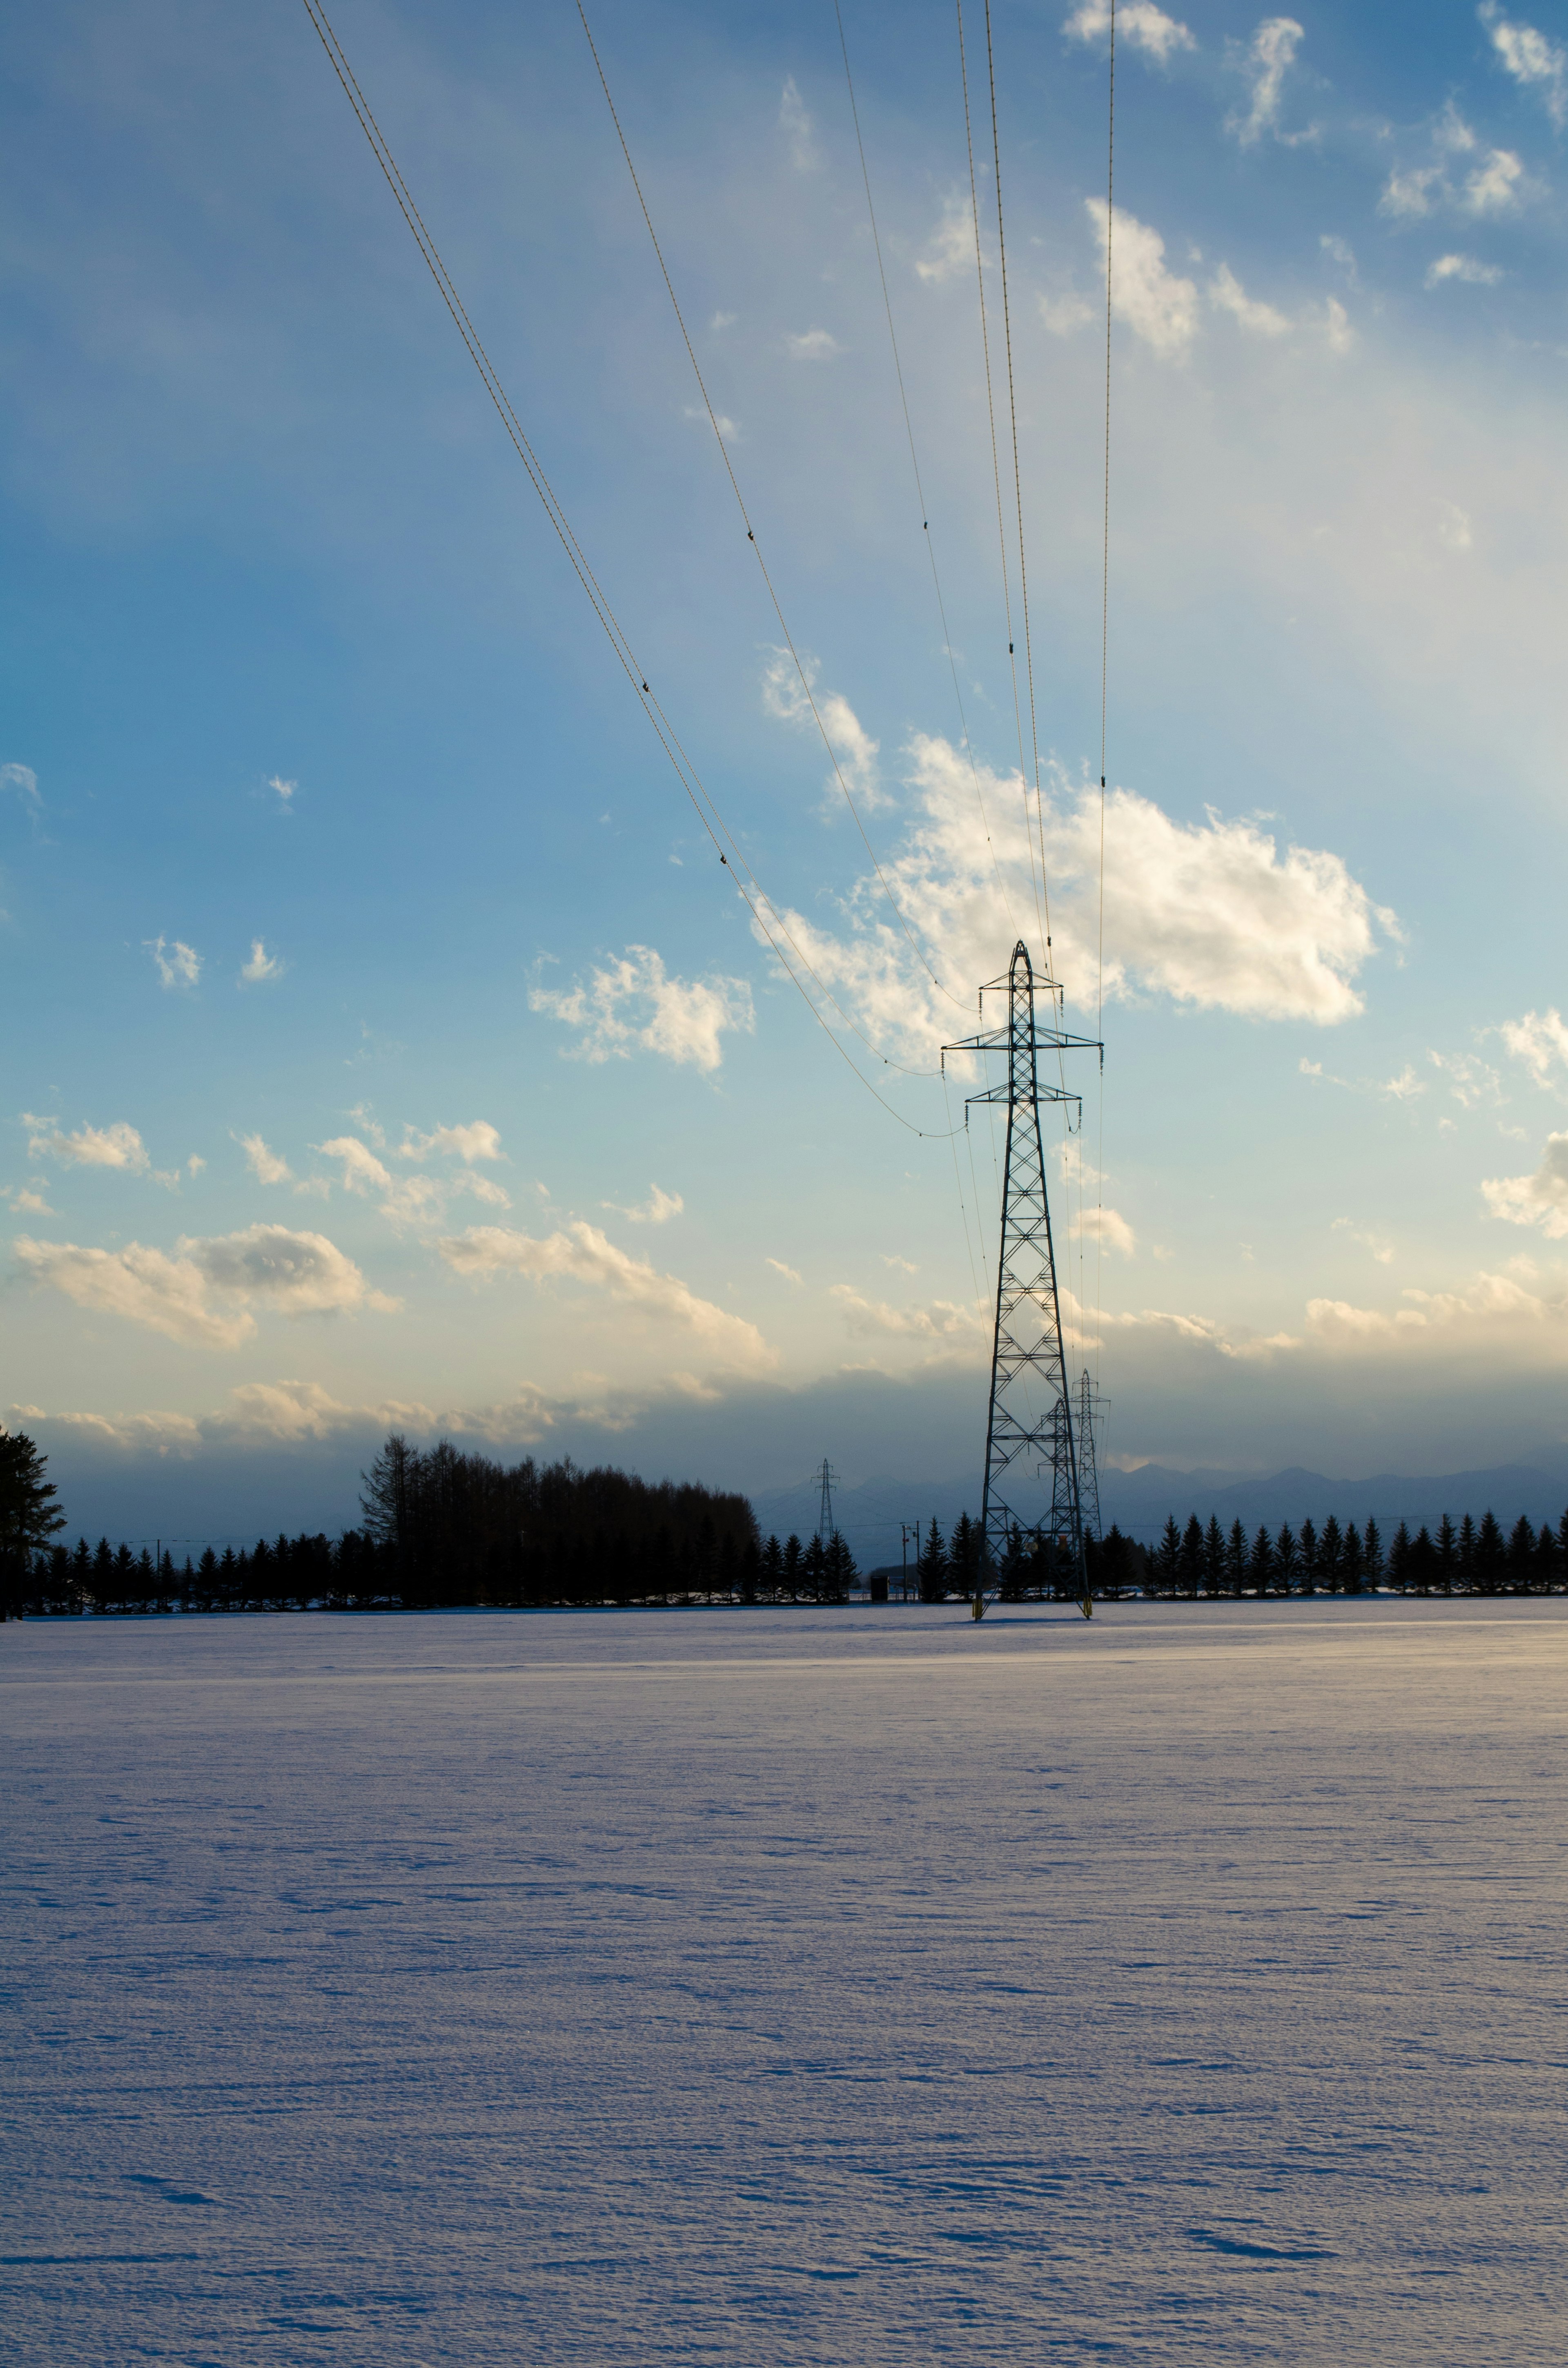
x,y
756,898
915,464
745,519
1104,661
996,471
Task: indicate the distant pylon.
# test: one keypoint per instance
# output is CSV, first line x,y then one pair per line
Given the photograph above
x,y
1088,1458
824,1523
1027,1345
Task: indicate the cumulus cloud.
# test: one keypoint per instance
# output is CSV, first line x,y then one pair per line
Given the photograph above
x,y
202,1295
657,1209
1226,292
417,1200
1540,1041
1460,176
1138,23
1212,914
265,1166
261,965
477,1140
118,1146
1265,62
1540,1199
177,964
635,1005
285,791
785,696
942,1320
813,345
1495,1303
1533,61
23,781
1155,304
796,126
950,247
583,1254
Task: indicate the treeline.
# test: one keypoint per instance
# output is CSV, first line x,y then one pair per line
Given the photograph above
x,y
1475,1558
1115,1565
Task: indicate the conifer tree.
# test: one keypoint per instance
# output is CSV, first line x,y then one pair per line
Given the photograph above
x,y
964,1555
773,1568
1331,1557
1192,1556
1547,1564
1464,1560
814,1569
1423,1560
1166,1568
1400,1571
1447,1555
30,1515
1372,1553
1490,1554
1350,1562
1213,1557
1260,1564
932,1566
1287,1560
839,1569
1236,1558
1308,1558
1521,1555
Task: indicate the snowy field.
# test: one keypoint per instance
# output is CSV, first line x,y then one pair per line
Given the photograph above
x,y
850,1986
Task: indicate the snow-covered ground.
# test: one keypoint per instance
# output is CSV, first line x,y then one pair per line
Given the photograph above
x,y
744,1987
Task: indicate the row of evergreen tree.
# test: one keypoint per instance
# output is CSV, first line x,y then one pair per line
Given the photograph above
x,y
1474,1558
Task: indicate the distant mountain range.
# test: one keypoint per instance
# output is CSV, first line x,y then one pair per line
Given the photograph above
x,y
1140,1501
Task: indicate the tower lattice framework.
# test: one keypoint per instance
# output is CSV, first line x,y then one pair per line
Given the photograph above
x,y
1088,1459
1030,1427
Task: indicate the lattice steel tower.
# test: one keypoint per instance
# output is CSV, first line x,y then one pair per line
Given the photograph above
x,y
1028,1355
825,1519
1088,1460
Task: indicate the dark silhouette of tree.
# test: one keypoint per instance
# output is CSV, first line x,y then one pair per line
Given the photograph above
x,y
1372,1553
1237,1559
1423,1560
1447,1556
1311,1567
29,1517
1166,1569
932,1566
1522,1557
1464,1558
1331,1557
1260,1564
1192,1556
1287,1560
1400,1570
963,1556
1491,1556
1213,1557
1351,1567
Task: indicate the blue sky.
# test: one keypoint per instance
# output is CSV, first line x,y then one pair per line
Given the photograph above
x,y
394,1046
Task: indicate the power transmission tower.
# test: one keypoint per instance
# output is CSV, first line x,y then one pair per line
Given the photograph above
x,y
824,1523
1088,1460
1028,1345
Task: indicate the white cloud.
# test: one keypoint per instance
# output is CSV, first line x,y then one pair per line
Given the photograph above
x,y
788,1272
285,791
1226,291
203,1293
1540,1199
477,1140
657,1209
1138,22
1266,61
1155,304
1496,1303
1453,528
786,696
118,1146
1532,60
1109,1227
796,126
950,248
1464,268
1494,182
178,964
1211,913
900,1265
813,345
1339,251
582,1253
263,1165
728,429
30,1197
636,1004
261,965
1336,326
1537,1039
1470,1080
413,1199
943,1319
24,781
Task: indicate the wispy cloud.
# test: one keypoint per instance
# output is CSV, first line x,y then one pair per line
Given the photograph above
x,y
178,964
415,1200
950,247
474,1140
1532,59
635,1005
261,965
286,791
1227,294
657,1209
23,781
785,695
118,1146
1540,1041
1540,1199
581,1253
203,1294
1465,269
788,1272
265,1165
1460,176
813,345
796,126
1156,305
1266,60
